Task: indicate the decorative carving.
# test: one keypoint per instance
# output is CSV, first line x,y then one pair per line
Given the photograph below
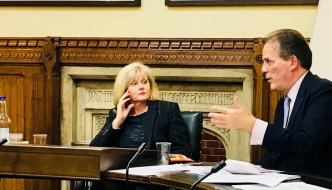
x,y
99,121
100,95
49,56
157,51
259,59
162,43
21,56
111,57
101,50
199,98
225,133
21,43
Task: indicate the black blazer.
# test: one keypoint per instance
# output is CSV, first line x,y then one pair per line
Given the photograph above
x,y
306,144
166,125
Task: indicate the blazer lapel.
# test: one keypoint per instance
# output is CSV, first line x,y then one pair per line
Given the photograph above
x,y
299,99
150,123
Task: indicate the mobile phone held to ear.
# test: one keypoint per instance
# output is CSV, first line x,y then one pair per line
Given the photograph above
x,y
127,104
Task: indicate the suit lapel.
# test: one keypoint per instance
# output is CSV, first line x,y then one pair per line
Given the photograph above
x,y
152,115
299,99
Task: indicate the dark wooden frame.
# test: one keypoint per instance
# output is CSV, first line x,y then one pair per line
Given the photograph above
x,y
238,2
71,3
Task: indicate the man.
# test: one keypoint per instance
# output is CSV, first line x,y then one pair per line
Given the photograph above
x,y
302,142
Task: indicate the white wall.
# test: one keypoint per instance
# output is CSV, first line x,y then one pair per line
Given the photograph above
x,y
154,19
321,41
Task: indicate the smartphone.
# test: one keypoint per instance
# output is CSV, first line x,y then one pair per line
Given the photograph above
x,y
127,104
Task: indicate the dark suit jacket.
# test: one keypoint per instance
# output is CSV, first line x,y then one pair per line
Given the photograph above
x,y
165,125
306,144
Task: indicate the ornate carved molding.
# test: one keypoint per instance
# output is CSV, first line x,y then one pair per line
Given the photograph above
x,y
199,98
218,51
25,56
99,121
107,51
194,98
225,133
83,57
21,50
97,95
22,42
159,43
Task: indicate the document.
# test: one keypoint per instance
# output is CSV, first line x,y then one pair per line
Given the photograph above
x,y
241,167
281,186
202,170
235,172
232,167
270,180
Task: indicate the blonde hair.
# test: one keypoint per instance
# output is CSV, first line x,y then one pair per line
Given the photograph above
x,y
127,74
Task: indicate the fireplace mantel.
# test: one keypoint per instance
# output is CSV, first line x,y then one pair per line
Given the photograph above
x,y
228,66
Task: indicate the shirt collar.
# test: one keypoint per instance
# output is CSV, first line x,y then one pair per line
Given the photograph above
x,y
295,88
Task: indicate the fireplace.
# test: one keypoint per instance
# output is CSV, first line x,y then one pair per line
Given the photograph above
x,y
87,95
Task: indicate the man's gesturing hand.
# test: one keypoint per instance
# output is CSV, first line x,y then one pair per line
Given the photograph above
x,y
239,118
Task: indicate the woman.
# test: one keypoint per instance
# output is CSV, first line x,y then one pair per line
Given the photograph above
x,y
140,117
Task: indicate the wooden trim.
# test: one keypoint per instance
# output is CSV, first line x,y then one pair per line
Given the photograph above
x,y
238,2
71,3
156,51
21,51
52,89
256,151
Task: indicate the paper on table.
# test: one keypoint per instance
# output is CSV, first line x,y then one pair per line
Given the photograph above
x,y
270,180
263,170
153,170
202,170
241,167
282,186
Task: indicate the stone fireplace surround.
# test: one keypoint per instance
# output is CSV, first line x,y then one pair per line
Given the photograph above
x,y
196,73
87,97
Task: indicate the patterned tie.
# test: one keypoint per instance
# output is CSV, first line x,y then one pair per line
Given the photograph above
x,y
286,111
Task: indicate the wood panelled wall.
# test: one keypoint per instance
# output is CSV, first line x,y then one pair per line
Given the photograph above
x,y
30,73
29,79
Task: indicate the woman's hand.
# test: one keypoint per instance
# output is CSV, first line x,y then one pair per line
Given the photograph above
x,y
122,110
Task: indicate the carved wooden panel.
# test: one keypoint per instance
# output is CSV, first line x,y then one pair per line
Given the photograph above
x,y
156,51
26,81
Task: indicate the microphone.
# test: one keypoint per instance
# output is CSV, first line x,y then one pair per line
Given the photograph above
x,y
140,149
3,141
214,169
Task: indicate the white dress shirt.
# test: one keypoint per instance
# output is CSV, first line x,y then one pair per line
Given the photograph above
x,y
258,132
